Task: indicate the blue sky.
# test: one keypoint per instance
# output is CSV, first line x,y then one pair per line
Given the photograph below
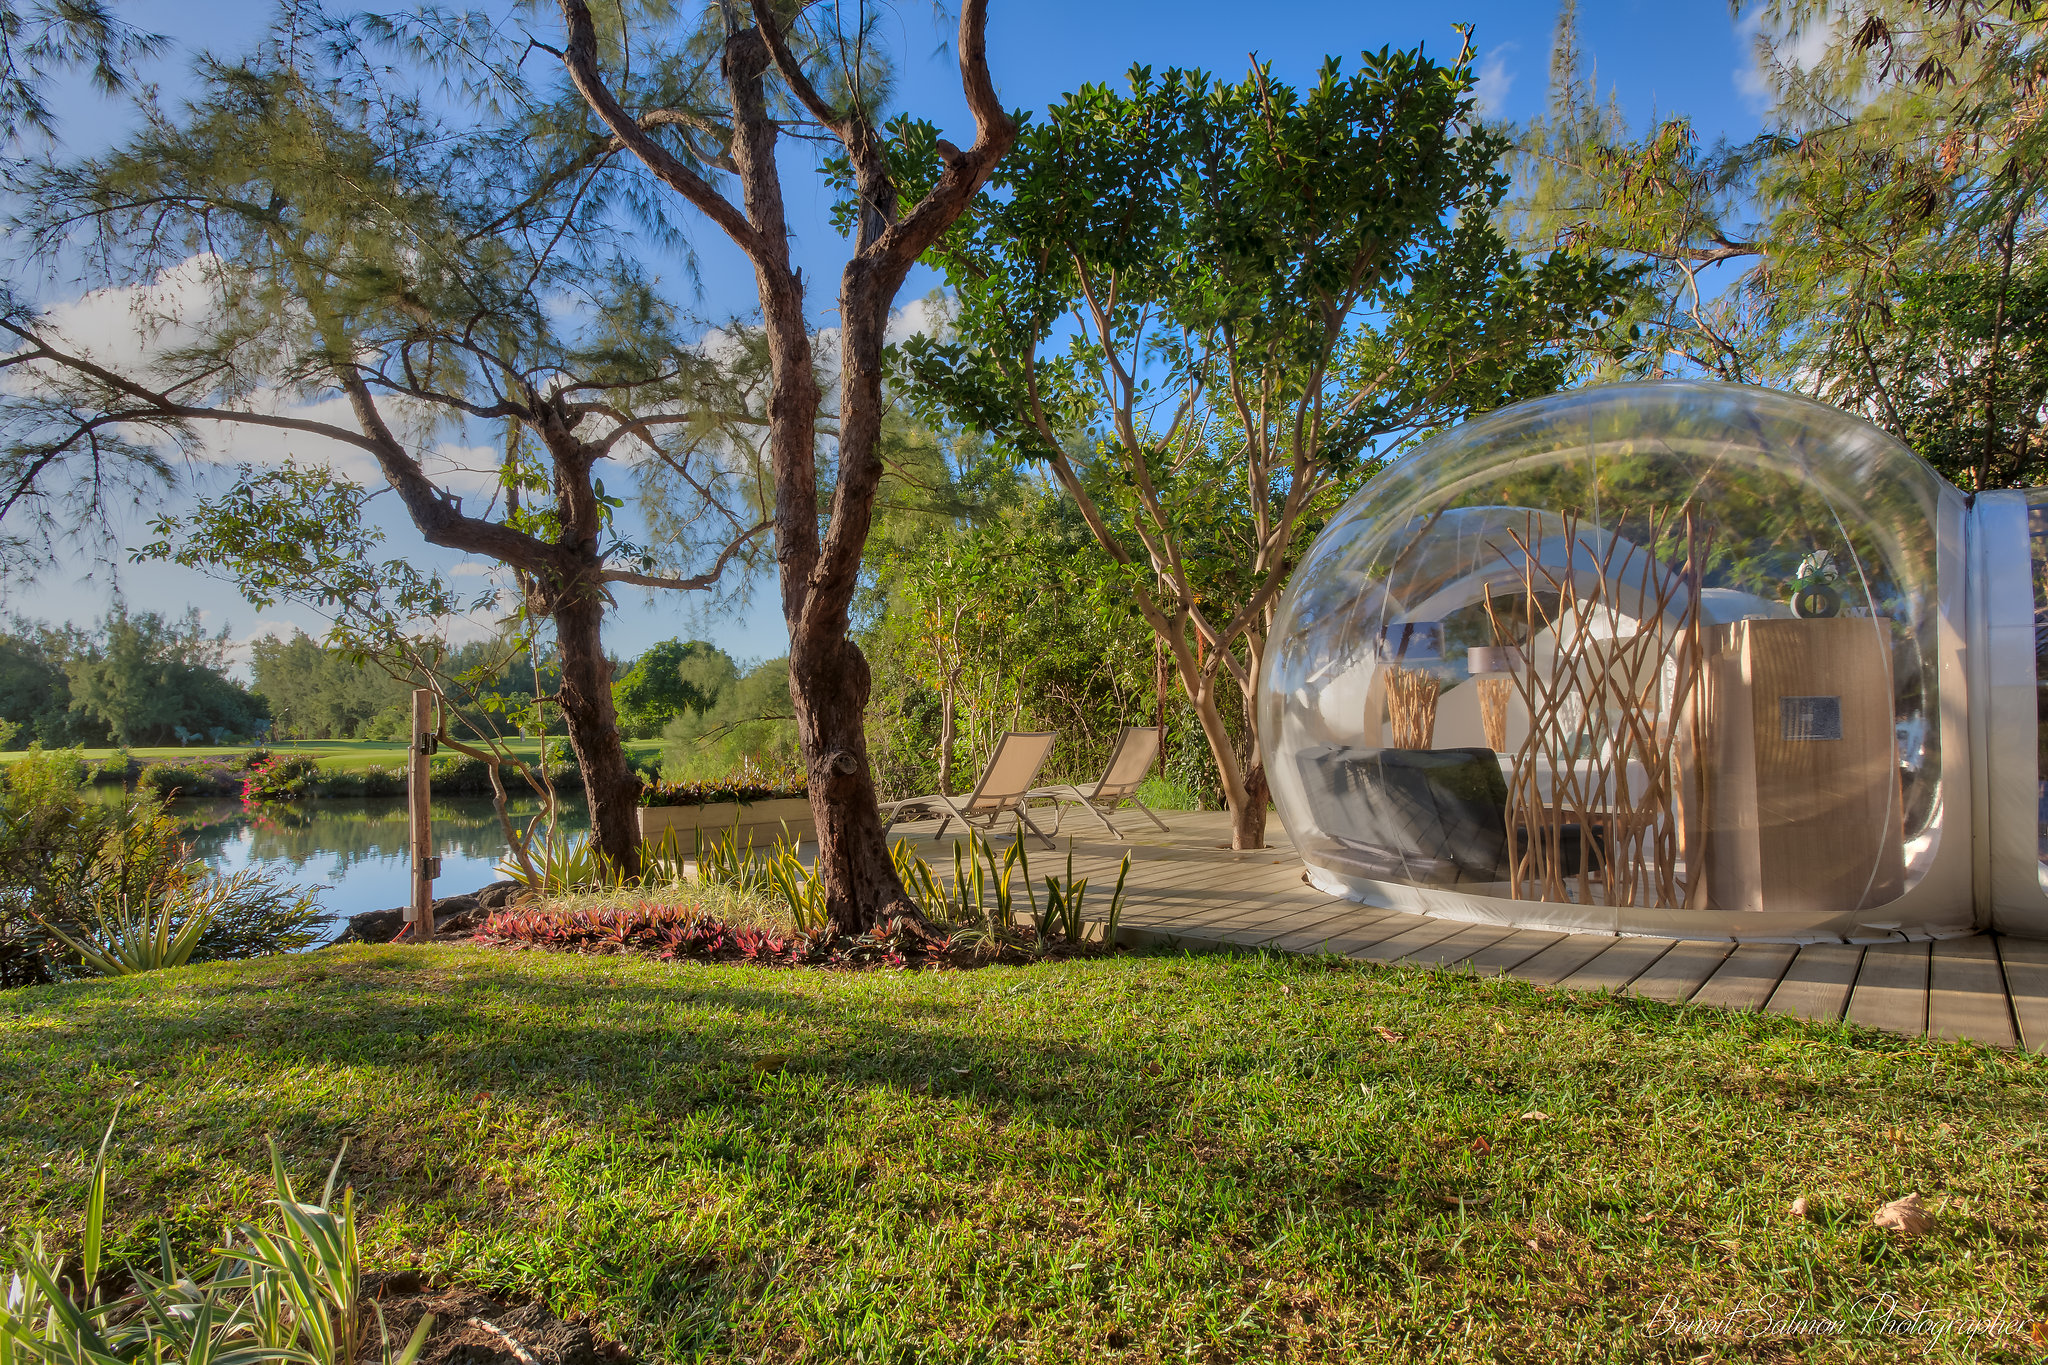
x,y
1692,58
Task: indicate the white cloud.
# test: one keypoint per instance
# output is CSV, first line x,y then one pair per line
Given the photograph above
x,y
1775,48
1495,80
928,316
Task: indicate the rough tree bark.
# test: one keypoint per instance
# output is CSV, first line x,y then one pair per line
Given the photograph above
x,y
828,677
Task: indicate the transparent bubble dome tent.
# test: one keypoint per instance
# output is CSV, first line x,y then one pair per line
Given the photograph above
x,y
1682,659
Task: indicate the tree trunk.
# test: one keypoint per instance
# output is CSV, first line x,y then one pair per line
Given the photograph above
x,y
946,711
1248,818
829,684
1244,789
609,783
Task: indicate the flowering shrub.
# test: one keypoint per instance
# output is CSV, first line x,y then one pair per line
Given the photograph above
x,y
271,778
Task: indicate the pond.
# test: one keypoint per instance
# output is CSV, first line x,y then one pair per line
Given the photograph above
x,y
356,850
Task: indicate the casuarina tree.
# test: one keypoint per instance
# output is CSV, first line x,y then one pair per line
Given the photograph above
x,y
781,66
311,249
1212,308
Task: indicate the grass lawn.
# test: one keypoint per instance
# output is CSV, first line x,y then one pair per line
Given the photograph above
x,y
1142,1158
338,755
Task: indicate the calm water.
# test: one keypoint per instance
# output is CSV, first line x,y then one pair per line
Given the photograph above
x,y
355,850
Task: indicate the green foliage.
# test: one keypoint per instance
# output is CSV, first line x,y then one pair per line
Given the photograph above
x,y
319,693
130,679
149,934
1007,618
673,677
189,779
151,680
279,1293
803,893
724,860
35,692
563,864
744,784
748,725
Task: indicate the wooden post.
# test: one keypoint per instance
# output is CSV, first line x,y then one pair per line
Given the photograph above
x,y
420,913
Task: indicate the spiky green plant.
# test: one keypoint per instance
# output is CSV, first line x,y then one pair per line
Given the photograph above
x,y
147,932
284,1294
563,864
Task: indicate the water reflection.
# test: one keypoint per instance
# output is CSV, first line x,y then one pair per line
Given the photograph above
x,y
356,849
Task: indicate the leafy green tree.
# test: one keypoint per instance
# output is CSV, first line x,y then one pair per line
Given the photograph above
x,y
339,239
1005,620
673,677
747,722
1209,309
35,694
154,680
319,693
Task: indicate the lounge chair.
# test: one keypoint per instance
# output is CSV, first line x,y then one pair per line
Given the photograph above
x,y
1009,775
1136,749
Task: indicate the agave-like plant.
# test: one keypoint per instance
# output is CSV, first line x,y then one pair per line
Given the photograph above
x,y
146,933
563,864
286,1294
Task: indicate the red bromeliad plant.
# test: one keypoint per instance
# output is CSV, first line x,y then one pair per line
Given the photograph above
x,y
669,933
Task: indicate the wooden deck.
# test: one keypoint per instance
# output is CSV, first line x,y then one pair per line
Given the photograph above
x,y
1188,890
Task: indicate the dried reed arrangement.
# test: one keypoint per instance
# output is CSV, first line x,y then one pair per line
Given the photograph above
x,y
1411,706
1494,695
1596,711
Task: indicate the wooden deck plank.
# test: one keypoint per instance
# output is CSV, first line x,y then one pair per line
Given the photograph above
x,y
1891,989
2026,981
1186,885
1342,936
1674,977
1458,946
1817,984
1619,965
1558,961
1966,993
1287,926
1415,936
1746,978
1504,955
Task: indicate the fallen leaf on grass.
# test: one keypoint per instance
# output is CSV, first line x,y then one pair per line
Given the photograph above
x,y
1904,1216
1153,1068
1537,1116
1465,1201
961,1070
1481,1145
1287,990
1498,1029
2040,1333
1389,1034
1799,1207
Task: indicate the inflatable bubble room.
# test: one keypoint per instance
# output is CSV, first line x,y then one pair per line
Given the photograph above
x,y
1673,658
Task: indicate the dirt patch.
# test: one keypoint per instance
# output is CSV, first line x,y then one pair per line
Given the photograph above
x,y
474,1328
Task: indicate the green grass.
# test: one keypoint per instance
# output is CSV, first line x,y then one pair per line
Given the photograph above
x,y
337,755
1142,1158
